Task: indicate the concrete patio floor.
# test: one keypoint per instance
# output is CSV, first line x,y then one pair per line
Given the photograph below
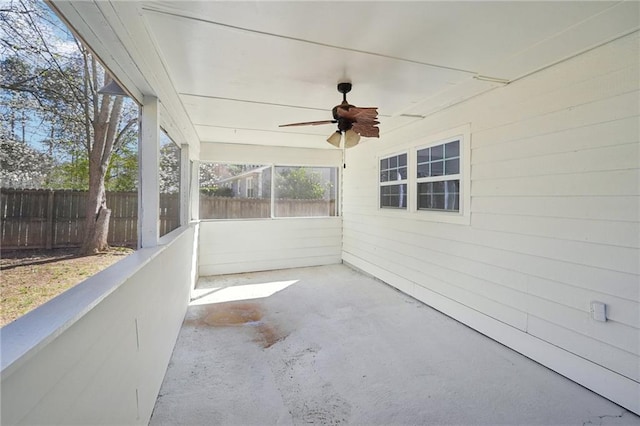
x,y
329,345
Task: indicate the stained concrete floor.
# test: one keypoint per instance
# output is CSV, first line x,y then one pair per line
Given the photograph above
x,y
329,345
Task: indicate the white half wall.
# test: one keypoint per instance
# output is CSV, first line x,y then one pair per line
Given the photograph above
x,y
553,219
234,246
97,354
228,247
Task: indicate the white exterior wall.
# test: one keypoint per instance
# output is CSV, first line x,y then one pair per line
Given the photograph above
x,y
228,247
233,246
554,219
97,354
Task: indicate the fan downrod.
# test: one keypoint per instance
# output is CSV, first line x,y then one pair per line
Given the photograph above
x,y
344,88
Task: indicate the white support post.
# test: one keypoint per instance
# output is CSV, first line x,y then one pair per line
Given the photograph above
x,y
149,164
195,191
185,187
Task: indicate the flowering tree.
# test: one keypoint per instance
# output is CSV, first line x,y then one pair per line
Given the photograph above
x,y
51,79
21,165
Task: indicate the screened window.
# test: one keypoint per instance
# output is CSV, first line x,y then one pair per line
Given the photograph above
x,y
235,191
242,191
169,184
438,177
305,191
393,181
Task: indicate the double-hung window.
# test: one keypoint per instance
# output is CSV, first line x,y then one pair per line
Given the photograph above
x,y
393,181
438,177
250,189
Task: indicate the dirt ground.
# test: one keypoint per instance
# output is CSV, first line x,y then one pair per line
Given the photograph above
x,y
30,278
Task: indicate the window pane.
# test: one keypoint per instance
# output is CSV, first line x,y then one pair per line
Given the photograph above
x,y
423,155
225,192
452,167
438,187
305,191
437,168
393,196
436,153
402,172
169,184
442,195
441,160
396,170
452,195
452,149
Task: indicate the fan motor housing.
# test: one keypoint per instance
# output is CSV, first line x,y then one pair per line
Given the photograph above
x,y
344,88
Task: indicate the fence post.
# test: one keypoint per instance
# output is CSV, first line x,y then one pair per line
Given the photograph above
x,y
49,228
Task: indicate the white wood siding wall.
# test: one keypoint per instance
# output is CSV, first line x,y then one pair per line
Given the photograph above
x,y
234,246
228,247
554,219
105,365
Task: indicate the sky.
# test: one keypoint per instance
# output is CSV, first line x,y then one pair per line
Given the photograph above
x,y
60,41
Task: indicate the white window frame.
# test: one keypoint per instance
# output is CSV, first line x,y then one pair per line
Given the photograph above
x,y
394,182
439,178
463,215
249,187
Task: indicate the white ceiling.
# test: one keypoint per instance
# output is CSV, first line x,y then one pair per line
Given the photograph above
x,y
241,68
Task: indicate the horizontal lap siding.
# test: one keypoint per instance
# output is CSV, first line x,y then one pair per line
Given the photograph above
x,y
554,209
254,245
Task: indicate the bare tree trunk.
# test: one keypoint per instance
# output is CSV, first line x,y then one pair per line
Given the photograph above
x,y
97,213
96,239
105,125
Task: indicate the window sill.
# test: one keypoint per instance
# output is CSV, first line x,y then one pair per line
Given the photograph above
x,y
427,216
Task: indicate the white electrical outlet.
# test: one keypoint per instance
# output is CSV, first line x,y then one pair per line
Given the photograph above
x,y
598,311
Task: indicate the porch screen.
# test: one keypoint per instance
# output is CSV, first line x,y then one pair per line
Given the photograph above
x,y
169,184
305,191
235,191
242,191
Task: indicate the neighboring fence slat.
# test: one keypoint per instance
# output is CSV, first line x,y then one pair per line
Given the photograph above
x,y
31,220
212,207
37,219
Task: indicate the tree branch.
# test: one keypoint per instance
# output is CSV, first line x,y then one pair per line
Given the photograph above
x,y
122,132
114,118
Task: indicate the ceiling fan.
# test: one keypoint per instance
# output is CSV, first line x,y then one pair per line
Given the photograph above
x,y
353,121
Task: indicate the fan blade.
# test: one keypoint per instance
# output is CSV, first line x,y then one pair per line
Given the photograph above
x,y
309,123
368,131
362,115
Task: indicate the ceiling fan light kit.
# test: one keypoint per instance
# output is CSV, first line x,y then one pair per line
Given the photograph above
x,y
335,138
351,138
354,122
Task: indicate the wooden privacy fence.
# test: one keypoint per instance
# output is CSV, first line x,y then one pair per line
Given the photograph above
x,y
45,219
244,208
